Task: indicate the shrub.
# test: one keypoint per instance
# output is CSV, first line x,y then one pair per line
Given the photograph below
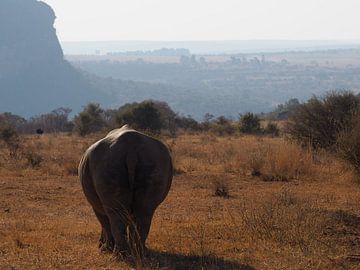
x,y
284,111
220,186
250,123
282,168
272,129
16,121
205,125
348,145
90,120
167,116
10,137
271,162
187,123
221,190
34,160
56,121
319,121
256,160
144,116
7,133
222,126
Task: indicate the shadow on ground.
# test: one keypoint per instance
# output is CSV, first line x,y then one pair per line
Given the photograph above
x,y
169,261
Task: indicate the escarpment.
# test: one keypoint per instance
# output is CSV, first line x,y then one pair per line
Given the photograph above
x,y
34,77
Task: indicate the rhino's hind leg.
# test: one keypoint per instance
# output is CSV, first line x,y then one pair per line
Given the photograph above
x,y
117,211
118,229
106,241
143,223
144,210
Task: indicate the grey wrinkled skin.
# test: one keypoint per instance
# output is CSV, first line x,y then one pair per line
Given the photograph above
x,y
125,176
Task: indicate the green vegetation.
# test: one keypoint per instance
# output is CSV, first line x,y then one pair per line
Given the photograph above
x,y
9,137
332,123
319,121
250,123
348,144
222,126
90,120
272,129
143,116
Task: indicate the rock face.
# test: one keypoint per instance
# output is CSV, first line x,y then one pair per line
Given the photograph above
x,y
34,77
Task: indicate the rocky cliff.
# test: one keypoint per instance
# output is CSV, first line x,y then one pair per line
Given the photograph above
x,y
34,77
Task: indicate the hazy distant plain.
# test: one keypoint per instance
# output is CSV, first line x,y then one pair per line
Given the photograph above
x,y
208,47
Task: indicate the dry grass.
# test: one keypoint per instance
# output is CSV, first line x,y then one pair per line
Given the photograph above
x,y
306,217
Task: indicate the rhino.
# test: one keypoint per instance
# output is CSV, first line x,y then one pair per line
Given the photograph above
x,y
125,176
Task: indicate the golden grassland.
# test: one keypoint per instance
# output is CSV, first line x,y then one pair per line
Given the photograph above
x,y
238,202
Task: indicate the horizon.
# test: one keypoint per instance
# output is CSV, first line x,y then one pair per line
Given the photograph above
x,y
206,46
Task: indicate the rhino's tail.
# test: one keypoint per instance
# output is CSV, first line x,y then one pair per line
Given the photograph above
x,y
131,162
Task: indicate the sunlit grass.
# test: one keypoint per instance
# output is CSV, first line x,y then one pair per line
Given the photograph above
x,y
301,211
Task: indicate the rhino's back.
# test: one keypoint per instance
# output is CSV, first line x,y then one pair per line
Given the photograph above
x,y
112,155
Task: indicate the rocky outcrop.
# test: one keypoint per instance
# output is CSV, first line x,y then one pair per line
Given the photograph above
x,y
34,77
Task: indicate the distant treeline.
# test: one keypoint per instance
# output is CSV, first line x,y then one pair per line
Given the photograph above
x,y
160,52
158,117
331,122
149,116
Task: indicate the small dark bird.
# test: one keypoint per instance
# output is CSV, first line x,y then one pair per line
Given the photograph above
x,y
39,131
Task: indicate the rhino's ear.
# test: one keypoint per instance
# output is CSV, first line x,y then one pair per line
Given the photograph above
x,y
131,162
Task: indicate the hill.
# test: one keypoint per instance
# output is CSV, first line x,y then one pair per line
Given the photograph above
x,y
34,77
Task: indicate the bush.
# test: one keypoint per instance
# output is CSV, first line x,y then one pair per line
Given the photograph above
x,y
219,186
221,190
282,168
167,116
90,120
187,123
222,126
272,129
16,121
55,121
10,137
319,121
348,144
34,160
8,133
284,111
250,123
143,116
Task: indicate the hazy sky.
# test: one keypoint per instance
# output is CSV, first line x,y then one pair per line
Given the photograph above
x,y
84,20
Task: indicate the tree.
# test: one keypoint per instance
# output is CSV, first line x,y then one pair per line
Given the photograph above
x,y
167,116
319,121
143,116
187,123
9,136
16,121
348,144
207,121
272,129
56,121
250,123
90,120
222,126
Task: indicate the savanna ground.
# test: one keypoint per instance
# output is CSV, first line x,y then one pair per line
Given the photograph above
x,y
236,202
